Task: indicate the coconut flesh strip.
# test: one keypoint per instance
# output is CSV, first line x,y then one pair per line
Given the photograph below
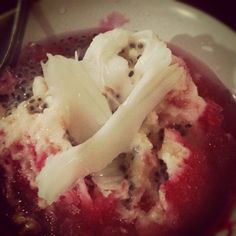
x,y
115,137
103,63
109,69
77,86
83,107
112,139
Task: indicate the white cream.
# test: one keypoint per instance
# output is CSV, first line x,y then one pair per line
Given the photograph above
x,y
111,140
173,153
107,68
74,92
84,109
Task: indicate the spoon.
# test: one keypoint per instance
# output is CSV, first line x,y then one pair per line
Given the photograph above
x,y
12,25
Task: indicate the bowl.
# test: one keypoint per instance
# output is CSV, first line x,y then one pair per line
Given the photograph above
x,y
181,26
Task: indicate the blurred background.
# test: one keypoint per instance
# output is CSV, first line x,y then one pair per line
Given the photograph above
x,y
222,10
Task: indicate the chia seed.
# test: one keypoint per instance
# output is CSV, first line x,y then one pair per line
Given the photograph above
x,y
131,73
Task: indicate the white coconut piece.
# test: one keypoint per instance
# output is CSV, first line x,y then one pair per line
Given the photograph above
x,y
83,106
115,137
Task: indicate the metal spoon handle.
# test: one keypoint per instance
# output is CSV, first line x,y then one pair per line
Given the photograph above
x,y
11,51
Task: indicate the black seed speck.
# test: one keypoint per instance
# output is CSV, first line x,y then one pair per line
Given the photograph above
x,y
157,177
31,108
188,126
126,203
18,97
23,81
19,75
157,174
122,51
180,128
131,73
22,89
132,45
161,134
4,98
140,45
123,168
61,198
17,86
131,187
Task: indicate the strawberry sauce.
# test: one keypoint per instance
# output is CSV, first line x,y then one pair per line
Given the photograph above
x,y
200,200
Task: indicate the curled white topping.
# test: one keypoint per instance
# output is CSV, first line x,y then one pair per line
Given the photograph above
x,y
77,86
82,106
115,137
119,58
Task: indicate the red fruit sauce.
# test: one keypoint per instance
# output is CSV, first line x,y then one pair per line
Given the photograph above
x,y
202,198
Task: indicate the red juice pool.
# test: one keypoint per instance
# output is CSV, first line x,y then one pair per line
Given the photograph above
x,y
211,175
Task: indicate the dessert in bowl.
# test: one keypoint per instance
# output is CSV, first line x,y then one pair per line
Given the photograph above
x,y
111,133
115,141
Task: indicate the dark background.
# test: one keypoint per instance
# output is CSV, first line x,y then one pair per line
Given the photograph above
x,y
224,10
